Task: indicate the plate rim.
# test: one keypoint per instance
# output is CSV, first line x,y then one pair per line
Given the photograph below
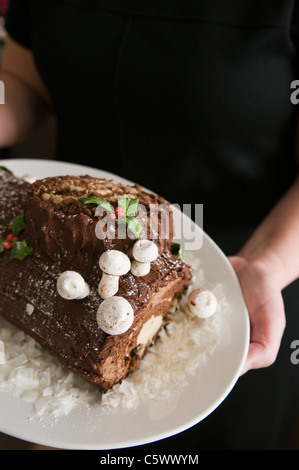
x,y
47,441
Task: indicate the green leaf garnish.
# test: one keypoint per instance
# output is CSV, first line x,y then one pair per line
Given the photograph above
x,y
20,250
99,202
2,245
17,225
129,206
6,169
177,249
133,207
122,202
132,224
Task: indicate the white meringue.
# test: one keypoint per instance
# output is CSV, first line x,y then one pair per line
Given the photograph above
x,y
71,286
114,262
145,251
115,315
140,269
108,285
202,303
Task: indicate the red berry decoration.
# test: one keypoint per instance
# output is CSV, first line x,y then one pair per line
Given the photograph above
x,y
112,216
7,245
119,212
11,237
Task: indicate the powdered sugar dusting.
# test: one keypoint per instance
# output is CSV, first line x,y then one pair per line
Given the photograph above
x,y
32,374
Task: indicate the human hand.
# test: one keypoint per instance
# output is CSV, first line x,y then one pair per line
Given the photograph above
x,y
261,288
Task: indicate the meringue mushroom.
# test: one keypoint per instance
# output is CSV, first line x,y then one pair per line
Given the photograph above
x,y
140,269
72,286
201,303
144,252
108,285
113,263
115,315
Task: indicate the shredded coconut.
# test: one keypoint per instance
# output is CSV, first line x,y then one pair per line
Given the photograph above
x,y
32,374
29,309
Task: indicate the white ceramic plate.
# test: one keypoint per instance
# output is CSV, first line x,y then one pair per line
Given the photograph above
x,y
151,421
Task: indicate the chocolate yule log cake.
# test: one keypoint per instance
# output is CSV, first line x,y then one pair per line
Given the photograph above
x,y
88,268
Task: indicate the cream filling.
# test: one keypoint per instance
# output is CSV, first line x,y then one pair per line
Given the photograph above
x,y
149,330
102,193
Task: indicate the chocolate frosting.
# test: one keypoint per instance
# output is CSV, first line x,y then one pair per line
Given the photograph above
x,y
71,232
68,329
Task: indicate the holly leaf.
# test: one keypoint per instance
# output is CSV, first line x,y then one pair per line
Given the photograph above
x,y
132,207
20,250
129,206
132,224
99,202
17,225
6,169
2,245
123,203
177,249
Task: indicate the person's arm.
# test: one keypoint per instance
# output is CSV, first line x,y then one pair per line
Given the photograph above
x,y
27,104
268,263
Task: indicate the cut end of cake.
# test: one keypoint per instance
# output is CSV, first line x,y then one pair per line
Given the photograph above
x,y
60,191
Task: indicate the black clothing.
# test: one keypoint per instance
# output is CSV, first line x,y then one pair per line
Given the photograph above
x,y
201,89
192,100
